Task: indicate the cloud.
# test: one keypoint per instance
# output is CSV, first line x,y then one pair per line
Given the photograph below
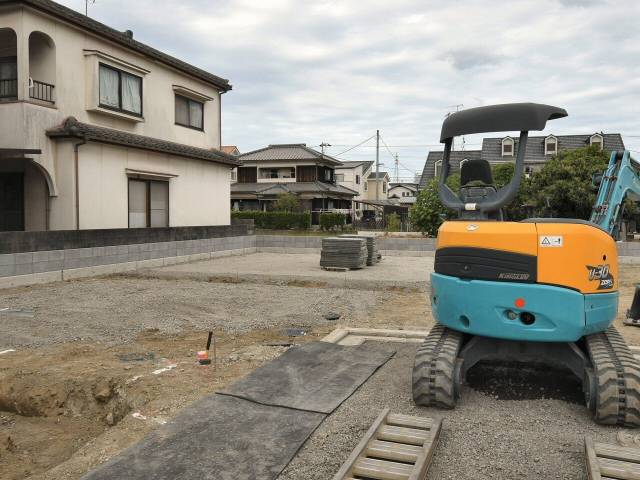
x,y
335,71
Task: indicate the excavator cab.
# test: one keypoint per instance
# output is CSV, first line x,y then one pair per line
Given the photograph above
x,y
542,290
476,184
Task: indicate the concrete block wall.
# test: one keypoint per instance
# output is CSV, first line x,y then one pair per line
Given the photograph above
x,y
21,268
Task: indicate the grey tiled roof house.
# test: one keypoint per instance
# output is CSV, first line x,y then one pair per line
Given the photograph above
x,y
502,149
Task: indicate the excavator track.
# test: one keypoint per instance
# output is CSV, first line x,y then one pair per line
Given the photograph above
x,y
434,381
617,380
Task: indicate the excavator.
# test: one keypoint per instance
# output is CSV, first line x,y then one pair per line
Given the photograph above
x,y
538,291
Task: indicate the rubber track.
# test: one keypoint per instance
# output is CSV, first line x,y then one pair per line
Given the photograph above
x,y
617,374
433,368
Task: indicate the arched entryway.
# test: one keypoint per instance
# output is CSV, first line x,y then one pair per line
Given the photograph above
x,y
25,188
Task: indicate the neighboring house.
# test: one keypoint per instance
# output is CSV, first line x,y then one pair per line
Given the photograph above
x,y
379,181
230,149
503,149
404,193
98,130
374,205
290,168
354,175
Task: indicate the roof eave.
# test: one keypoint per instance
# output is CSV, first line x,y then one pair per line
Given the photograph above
x,y
115,36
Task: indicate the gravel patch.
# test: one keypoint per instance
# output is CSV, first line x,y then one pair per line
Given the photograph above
x,y
115,310
484,437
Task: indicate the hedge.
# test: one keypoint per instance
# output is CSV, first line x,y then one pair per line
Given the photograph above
x,y
276,220
330,220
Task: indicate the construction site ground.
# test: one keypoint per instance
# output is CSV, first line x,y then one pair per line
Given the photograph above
x,y
98,363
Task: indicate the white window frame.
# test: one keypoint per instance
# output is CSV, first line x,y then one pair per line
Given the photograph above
x,y
547,140
508,141
435,168
597,135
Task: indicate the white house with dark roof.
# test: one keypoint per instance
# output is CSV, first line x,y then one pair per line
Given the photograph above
x,y
290,168
503,149
403,192
98,130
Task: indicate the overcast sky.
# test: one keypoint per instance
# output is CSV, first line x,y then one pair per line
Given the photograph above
x,y
335,71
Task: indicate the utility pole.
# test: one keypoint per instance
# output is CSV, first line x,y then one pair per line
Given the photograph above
x,y
86,6
377,165
397,170
322,145
457,107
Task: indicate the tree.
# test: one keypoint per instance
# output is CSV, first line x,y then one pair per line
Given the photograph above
x,y
287,202
502,174
428,213
563,187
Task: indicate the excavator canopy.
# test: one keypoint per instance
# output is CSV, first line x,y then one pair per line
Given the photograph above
x,y
500,118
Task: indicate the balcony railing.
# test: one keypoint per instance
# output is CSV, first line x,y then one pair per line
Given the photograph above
x,y
9,88
41,91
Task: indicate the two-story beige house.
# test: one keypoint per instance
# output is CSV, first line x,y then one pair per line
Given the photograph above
x,y
290,168
354,175
98,130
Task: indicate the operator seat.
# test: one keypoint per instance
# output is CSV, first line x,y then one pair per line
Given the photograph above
x,y
476,184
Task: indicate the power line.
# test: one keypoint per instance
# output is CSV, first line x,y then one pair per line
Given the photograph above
x,y
351,148
407,146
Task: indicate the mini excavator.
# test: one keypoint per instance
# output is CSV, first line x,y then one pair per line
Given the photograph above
x,y
541,291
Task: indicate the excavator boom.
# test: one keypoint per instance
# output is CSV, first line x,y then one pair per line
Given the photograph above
x,y
620,180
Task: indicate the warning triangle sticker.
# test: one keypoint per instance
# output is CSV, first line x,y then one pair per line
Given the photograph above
x,y
545,241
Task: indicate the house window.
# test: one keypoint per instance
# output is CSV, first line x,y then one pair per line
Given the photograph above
x,y
507,147
120,90
436,168
384,187
189,113
357,179
234,175
339,177
366,186
551,146
327,174
596,140
148,203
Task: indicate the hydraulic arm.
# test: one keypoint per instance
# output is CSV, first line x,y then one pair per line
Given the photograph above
x,y
620,180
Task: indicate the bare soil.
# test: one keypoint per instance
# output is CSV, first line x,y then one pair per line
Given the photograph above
x,y
84,358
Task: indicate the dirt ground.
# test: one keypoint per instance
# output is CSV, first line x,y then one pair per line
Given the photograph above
x,y
85,353
80,385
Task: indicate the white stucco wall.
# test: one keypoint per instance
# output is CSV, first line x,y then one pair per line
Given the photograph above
x,y
198,195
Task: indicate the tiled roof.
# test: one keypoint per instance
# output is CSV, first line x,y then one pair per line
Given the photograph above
x,y
72,128
229,149
121,38
492,151
381,175
456,157
293,187
366,165
289,151
409,185
492,147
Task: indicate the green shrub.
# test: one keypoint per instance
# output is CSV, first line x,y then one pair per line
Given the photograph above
x,y
332,221
393,222
276,220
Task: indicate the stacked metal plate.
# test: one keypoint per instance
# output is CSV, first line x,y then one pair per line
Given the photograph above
x,y
343,253
372,248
